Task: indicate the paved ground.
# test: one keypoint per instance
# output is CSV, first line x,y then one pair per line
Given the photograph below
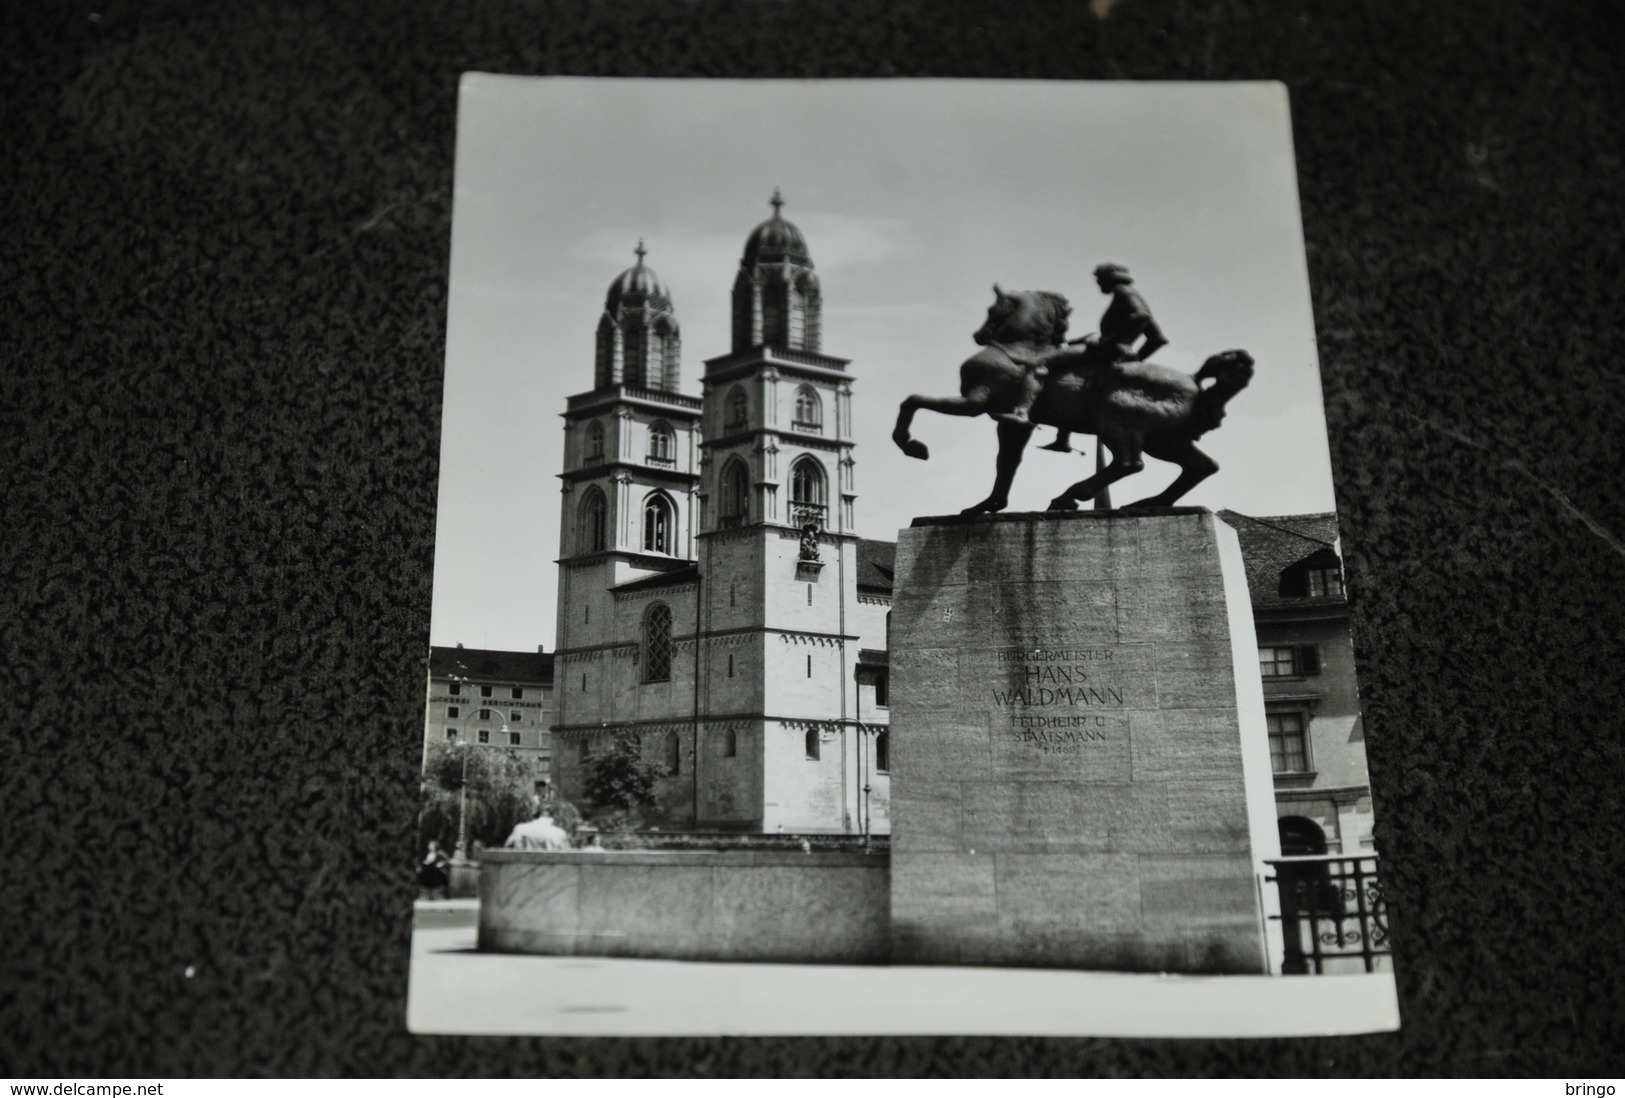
x,y
446,914
457,990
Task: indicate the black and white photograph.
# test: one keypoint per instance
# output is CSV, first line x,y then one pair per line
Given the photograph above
x,y
887,576
573,542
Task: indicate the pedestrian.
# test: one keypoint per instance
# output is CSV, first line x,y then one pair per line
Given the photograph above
x,y
538,834
433,873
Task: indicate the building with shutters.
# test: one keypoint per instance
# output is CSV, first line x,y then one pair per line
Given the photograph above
x,y
1311,698
495,699
715,599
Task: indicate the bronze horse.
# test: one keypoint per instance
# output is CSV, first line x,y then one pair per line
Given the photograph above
x,y
1134,408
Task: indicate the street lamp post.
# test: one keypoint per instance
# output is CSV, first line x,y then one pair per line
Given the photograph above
x,y
461,853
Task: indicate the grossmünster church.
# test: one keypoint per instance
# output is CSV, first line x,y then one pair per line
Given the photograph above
x,y
715,599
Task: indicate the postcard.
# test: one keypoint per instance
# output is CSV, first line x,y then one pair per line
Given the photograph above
x,y
887,575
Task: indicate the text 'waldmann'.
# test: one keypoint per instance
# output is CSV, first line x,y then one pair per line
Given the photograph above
x,y
1057,684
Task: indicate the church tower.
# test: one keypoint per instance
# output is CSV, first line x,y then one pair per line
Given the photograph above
x,y
777,411
710,599
630,460
777,547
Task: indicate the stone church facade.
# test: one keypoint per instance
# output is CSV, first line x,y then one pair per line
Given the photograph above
x,y
717,603
715,599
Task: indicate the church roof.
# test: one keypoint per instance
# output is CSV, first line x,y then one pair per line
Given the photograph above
x,y
686,574
490,665
776,240
637,285
876,561
1271,544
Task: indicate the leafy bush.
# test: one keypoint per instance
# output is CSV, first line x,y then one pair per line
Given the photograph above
x,y
500,794
567,816
619,782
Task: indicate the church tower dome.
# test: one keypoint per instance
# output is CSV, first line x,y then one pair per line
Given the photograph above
x,y
639,342
776,241
777,301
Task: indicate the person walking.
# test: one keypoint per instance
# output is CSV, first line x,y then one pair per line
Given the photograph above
x,y
434,873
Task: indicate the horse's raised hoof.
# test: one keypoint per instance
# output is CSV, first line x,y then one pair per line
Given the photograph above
x,y
1062,503
914,448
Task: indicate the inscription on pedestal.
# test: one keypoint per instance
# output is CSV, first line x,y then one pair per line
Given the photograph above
x,y
1058,735
1077,747
1060,711
1103,677
1057,743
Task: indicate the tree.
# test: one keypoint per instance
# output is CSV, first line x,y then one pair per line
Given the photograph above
x,y
620,780
500,793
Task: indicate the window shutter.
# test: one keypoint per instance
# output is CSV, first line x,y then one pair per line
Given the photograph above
x,y
1308,659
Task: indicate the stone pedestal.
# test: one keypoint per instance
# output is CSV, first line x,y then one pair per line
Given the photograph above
x,y
1080,770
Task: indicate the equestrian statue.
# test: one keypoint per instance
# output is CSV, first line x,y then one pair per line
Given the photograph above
x,y
1026,374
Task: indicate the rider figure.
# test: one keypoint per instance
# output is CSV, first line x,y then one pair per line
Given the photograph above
x,y
1124,322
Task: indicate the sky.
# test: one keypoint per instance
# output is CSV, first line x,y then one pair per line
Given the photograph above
x,y
914,198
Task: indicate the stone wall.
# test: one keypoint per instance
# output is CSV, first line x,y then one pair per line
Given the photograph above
x,y
1079,761
764,906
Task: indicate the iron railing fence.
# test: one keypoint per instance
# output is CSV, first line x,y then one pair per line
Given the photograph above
x,y
1333,917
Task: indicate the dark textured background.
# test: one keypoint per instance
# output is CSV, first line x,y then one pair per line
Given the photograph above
x,y
222,317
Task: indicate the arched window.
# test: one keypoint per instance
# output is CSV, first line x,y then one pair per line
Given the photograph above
x,y
663,354
674,754
635,340
1300,836
733,503
809,414
811,743
808,306
1306,888
730,744
807,493
736,411
775,303
595,442
592,533
654,377
662,444
883,752
796,310
658,524
657,643
807,482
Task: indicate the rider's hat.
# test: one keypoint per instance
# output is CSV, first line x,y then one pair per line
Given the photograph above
x,y
1113,272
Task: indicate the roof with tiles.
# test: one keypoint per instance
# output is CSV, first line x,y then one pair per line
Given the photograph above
x,y
1270,544
876,561
677,576
491,665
